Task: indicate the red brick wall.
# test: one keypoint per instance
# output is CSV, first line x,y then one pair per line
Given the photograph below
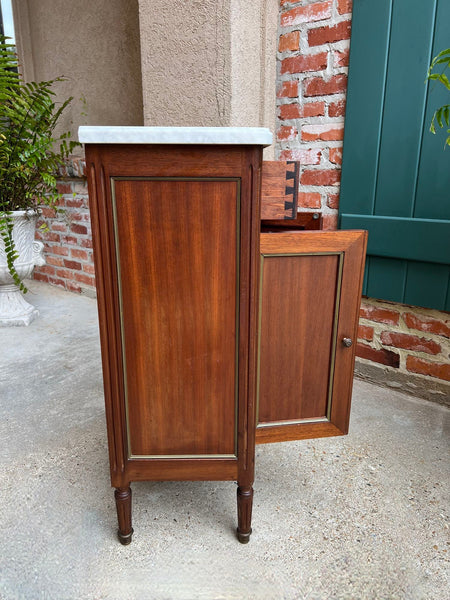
x,y
67,237
312,80
413,340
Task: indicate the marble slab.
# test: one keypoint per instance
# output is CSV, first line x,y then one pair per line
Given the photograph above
x,y
175,135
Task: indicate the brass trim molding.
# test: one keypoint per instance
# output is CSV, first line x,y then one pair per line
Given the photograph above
x,y
293,422
179,456
237,180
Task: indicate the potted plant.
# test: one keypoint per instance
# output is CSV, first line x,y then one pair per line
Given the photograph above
x,y
30,157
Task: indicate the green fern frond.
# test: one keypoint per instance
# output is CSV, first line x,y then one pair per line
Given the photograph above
x,y
30,155
442,114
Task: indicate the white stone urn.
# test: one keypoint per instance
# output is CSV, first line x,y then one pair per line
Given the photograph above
x,y
14,309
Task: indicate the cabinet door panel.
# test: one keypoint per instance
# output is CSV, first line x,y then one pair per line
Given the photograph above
x,y
178,289
309,302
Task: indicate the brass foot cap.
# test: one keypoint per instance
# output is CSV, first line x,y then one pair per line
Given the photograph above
x,y
243,537
125,539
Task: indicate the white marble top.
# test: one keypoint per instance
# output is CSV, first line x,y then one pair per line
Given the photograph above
x,y
175,135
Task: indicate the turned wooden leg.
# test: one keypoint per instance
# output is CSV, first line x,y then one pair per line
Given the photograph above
x,y
123,505
244,507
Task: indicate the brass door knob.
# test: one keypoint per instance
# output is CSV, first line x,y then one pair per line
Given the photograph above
x,y
347,342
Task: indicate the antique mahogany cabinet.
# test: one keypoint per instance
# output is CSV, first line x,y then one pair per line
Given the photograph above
x,y
214,336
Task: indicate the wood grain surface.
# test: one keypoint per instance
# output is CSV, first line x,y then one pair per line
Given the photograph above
x,y
176,248
310,297
176,234
298,302
279,189
303,221
195,236
178,274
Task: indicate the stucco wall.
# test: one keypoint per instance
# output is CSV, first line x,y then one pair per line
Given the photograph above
x,y
153,62
185,53
95,45
253,47
209,62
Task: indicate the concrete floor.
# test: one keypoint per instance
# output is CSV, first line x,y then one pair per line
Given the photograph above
x,y
360,517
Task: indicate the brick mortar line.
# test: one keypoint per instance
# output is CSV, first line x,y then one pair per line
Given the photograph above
x,y
310,51
312,144
313,100
335,18
322,73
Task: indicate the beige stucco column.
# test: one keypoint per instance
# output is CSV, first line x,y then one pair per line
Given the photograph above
x,y
209,62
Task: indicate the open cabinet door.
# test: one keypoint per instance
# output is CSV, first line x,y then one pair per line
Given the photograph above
x,y
309,306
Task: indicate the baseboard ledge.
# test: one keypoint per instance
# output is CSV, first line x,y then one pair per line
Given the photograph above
x,y
416,385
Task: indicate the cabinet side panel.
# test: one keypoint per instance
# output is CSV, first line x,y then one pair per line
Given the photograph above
x,y
297,325
178,245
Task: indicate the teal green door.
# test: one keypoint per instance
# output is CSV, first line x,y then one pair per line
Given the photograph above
x,y
395,173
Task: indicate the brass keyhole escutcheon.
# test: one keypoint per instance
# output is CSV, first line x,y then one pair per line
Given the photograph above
x,y
347,342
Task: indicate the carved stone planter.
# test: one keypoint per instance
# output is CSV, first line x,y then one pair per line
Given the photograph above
x,y
14,309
